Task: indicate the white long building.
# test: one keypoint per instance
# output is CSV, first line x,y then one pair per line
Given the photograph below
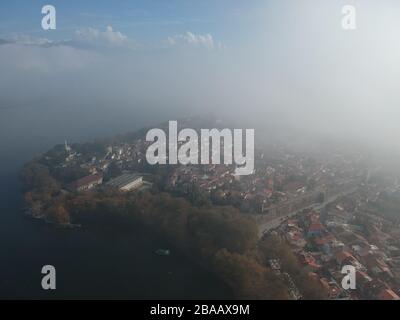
x,y
127,182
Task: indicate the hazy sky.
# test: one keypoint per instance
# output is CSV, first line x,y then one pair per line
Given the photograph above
x,y
283,61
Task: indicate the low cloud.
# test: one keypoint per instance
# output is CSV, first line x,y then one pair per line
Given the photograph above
x,y
95,39
27,40
195,40
84,39
109,36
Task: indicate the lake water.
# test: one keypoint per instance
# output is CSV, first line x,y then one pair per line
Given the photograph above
x,y
89,264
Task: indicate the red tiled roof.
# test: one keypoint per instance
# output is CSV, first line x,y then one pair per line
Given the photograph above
x,y
341,256
387,294
86,180
316,227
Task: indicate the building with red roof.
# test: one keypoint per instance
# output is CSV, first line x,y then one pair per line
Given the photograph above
x,y
388,294
86,183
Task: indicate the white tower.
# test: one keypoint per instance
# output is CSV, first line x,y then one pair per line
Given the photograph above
x,y
67,147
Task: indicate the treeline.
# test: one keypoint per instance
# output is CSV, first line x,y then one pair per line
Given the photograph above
x,y
219,238
41,192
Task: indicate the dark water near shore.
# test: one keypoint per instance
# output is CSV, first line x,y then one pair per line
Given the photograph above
x,y
89,264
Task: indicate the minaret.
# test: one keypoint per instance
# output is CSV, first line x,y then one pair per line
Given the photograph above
x,y
368,175
67,147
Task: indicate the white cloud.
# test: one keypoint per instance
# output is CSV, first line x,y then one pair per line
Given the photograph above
x,y
85,38
203,40
109,36
196,40
171,41
28,40
25,39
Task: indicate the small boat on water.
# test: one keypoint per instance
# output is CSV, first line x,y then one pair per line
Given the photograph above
x,y
163,252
